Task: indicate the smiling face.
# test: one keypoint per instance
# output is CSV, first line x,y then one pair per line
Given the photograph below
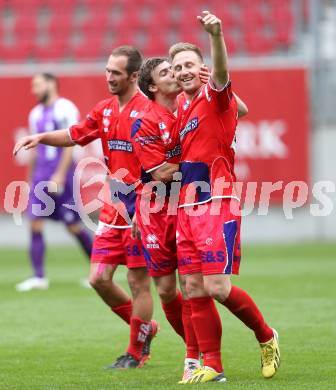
x,y
117,78
164,80
186,66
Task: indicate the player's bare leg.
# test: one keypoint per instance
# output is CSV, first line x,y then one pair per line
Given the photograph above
x,y
192,357
101,279
139,283
243,307
37,252
208,330
171,301
142,328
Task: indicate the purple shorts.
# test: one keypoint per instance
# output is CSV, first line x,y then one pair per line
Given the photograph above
x,y
43,204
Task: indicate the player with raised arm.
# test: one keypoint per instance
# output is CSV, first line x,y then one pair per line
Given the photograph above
x,y
48,164
158,147
208,229
110,121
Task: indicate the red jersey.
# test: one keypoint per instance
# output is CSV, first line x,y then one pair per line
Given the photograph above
x,y
114,129
156,141
207,127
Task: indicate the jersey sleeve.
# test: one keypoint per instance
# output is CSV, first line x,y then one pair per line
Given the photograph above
x,y
149,145
220,97
87,130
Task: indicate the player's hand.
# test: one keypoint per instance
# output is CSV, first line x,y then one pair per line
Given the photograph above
x,y
204,74
26,143
135,233
58,179
211,23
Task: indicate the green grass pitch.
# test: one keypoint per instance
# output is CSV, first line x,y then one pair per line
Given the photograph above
x,y
63,337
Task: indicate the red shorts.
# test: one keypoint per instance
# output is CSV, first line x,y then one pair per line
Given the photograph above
x,y
208,243
159,241
116,246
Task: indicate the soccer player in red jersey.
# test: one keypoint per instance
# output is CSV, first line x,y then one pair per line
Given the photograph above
x,y
112,121
157,145
208,230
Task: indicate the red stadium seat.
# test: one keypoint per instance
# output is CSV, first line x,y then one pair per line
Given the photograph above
x,y
21,51
90,48
258,44
54,51
283,20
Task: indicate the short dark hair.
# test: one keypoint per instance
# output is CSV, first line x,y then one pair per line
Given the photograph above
x,y
145,74
49,77
184,46
134,57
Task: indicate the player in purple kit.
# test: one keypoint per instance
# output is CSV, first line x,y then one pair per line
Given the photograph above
x,y
50,165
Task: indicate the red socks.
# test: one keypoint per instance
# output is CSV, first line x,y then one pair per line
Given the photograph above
x,y
208,329
124,311
244,308
192,351
139,331
173,312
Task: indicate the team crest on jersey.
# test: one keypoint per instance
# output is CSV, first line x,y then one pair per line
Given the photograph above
x,y
166,137
107,112
106,122
190,126
134,114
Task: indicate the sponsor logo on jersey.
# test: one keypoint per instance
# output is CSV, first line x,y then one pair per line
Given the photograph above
x,y
147,139
152,241
212,257
184,261
134,114
121,145
133,250
173,152
162,126
191,125
107,112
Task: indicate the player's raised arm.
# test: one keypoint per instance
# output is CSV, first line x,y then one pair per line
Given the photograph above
x,y
241,106
213,26
54,138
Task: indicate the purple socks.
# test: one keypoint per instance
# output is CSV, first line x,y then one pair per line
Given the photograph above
x,y
85,241
37,250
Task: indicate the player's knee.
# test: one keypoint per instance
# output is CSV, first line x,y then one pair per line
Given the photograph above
x,y
97,281
166,293
218,290
183,286
138,281
194,289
